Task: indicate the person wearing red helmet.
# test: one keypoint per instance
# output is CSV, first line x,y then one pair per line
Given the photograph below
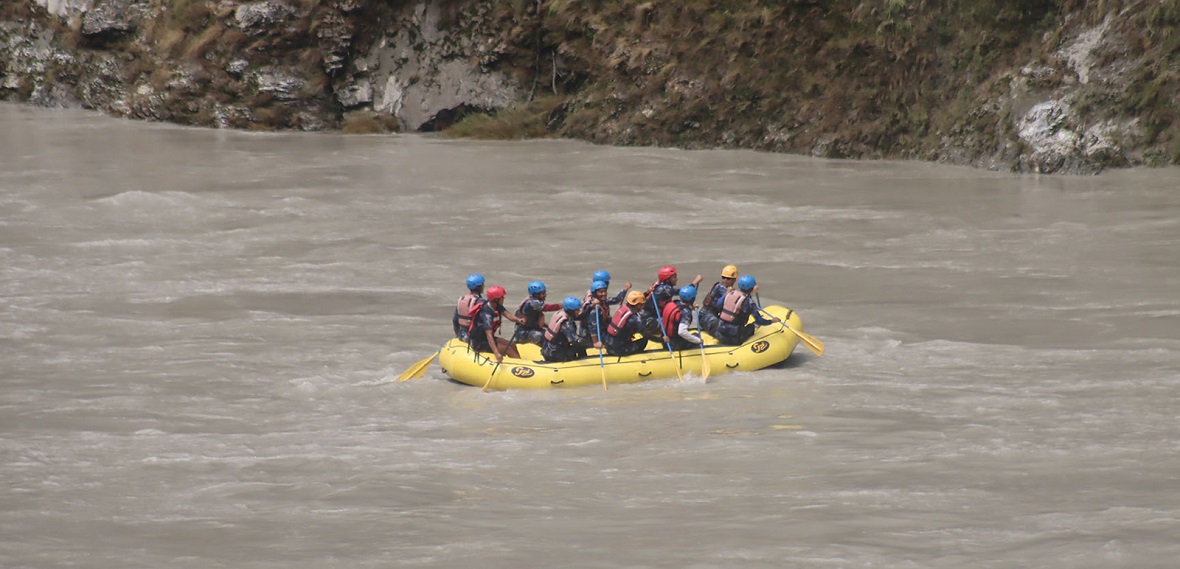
x,y
659,295
485,322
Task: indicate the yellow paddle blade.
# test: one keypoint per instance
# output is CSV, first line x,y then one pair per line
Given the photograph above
x,y
602,367
418,369
810,341
491,377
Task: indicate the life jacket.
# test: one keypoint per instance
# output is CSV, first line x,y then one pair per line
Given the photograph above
x,y
672,314
475,310
589,304
662,302
713,301
532,320
464,309
618,321
553,330
594,314
731,306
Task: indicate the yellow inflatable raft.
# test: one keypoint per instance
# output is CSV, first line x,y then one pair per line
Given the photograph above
x,y
768,346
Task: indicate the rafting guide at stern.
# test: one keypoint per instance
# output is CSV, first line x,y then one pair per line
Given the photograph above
x,y
650,335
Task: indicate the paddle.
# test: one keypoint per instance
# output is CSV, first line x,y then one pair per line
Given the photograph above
x,y
418,369
808,340
705,368
598,332
504,355
493,375
660,319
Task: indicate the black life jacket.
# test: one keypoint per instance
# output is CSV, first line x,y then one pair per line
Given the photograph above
x,y
712,301
531,320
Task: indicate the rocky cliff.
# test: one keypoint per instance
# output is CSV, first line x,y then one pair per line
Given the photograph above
x,y
1041,86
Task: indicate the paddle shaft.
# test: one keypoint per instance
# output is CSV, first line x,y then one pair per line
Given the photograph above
x,y
705,368
502,356
598,332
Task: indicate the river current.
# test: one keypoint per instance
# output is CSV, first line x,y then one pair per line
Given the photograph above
x,y
200,333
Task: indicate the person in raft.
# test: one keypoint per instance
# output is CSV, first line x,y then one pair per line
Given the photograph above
x,y
678,318
662,291
594,313
485,322
620,334
532,311
604,277
562,342
737,308
462,319
711,304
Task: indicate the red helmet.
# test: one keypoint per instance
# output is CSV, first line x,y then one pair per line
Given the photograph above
x,y
496,293
666,272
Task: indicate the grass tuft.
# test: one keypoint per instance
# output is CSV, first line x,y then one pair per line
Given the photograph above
x,y
513,123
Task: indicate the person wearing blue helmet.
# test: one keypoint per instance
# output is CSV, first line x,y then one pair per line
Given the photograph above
x,y
604,278
595,310
531,312
463,308
733,326
562,342
677,315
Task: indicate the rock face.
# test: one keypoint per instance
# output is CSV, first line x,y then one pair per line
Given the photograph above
x,y
1048,129
1072,91
1056,137
415,76
263,64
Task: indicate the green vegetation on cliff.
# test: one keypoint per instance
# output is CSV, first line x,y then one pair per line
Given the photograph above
x,y
841,78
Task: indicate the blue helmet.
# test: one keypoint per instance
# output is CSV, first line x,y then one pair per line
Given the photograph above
x,y
536,287
571,303
474,281
746,283
688,293
597,286
601,276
